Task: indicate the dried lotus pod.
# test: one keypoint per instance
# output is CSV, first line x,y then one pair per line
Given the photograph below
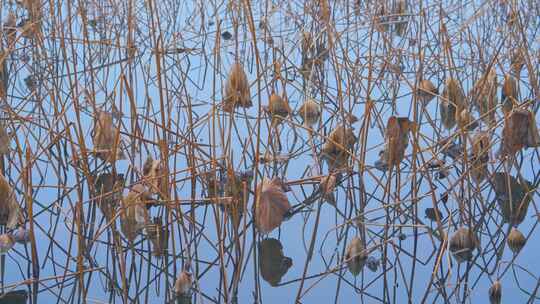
x,y
356,255
516,240
520,131
278,108
495,293
426,91
134,214
509,94
271,205
236,89
273,264
310,112
155,177
106,139
463,243
158,234
452,103
108,189
480,156
484,96
10,212
396,139
513,197
338,147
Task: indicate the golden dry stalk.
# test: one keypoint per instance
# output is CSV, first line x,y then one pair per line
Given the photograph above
x,y
106,138
356,255
484,96
237,92
10,211
310,112
463,243
271,205
396,139
480,156
426,91
516,240
452,103
338,147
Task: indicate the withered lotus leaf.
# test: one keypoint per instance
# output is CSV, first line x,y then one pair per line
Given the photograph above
x,y
519,131
10,211
509,94
338,147
480,156
273,264
108,189
426,91
484,96
183,284
397,139
356,255
452,103
271,205
106,139
513,197
463,243
134,214
237,89
155,175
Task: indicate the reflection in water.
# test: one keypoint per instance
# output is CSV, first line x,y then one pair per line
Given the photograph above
x,y
272,263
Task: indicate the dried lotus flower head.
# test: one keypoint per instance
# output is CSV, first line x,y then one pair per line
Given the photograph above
x,y
278,108
134,214
396,139
310,112
484,96
6,243
513,197
155,175
356,255
452,103
159,236
426,91
463,243
271,205
338,147
509,94
495,293
520,131
10,212
236,89
273,264
480,156
183,284
4,140
516,240
106,139
109,189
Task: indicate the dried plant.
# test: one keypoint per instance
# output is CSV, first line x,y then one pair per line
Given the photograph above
x,y
237,89
356,256
271,205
